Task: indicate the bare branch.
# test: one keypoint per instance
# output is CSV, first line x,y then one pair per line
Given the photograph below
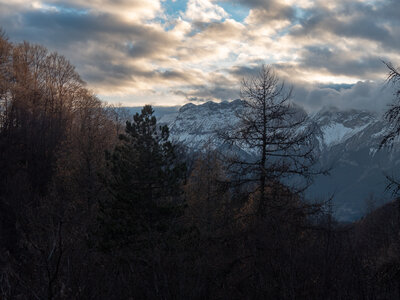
x,y
279,134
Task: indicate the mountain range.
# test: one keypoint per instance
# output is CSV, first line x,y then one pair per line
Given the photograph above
x,y
347,142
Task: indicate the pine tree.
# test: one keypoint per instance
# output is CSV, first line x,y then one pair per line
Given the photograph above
x,y
144,184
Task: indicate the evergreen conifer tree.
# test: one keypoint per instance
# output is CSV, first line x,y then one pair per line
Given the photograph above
x,y
143,181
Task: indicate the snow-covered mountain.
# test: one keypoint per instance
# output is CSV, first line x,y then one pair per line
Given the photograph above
x,y
348,141
195,125
337,126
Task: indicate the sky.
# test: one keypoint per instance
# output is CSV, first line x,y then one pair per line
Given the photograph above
x,y
170,52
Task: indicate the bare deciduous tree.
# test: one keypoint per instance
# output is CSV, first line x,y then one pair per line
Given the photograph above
x,y
276,132
392,116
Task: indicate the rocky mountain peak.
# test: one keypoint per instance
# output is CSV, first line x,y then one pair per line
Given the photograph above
x,y
347,141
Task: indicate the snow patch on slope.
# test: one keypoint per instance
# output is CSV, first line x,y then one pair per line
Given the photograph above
x,y
336,133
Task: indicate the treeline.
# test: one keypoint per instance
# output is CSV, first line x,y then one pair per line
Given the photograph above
x,y
91,208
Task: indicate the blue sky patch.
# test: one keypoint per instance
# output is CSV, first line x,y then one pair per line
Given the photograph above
x,y
237,11
174,8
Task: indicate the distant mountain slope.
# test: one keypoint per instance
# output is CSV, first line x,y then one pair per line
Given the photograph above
x,y
347,140
195,125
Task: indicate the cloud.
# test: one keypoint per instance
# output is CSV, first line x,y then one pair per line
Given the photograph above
x,y
127,9
367,95
361,21
219,87
204,11
137,51
338,62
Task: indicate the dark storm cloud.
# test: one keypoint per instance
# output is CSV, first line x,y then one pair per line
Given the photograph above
x,y
244,71
373,96
204,93
364,27
338,62
353,20
101,44
86,25
108,74
66,27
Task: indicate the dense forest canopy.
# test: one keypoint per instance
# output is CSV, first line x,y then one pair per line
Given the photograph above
x,y
92,208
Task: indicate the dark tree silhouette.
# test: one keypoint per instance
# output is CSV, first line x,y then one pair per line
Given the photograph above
x,y
144,181
392,116
277,132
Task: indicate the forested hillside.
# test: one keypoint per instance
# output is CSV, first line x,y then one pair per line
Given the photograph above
x,y
95,208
